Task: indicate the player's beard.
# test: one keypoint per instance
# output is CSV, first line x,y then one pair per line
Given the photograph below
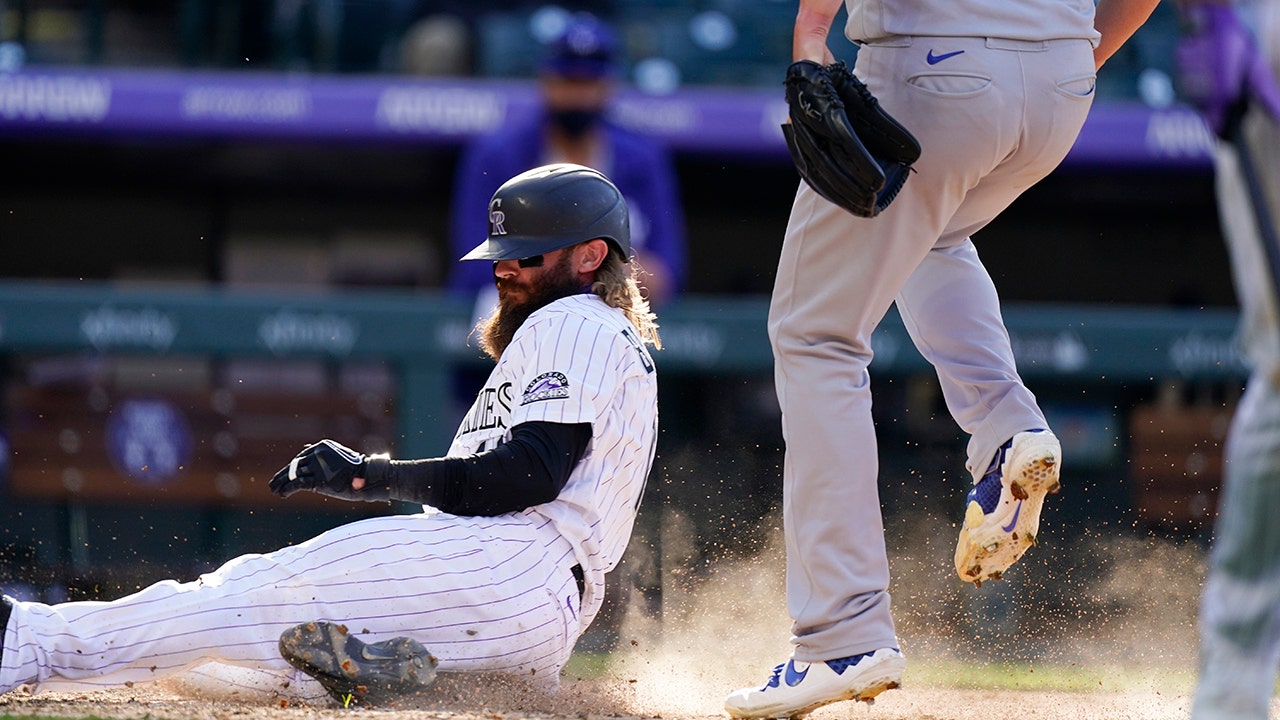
x,y
498,329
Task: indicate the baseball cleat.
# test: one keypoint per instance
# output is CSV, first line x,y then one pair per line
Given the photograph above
x,y
798,688
1002,511
354,672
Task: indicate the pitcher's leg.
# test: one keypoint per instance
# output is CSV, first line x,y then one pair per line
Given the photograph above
x,y
950,308
837,571
837,276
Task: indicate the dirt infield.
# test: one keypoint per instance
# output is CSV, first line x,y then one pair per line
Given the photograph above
x,y
906,704
1097,628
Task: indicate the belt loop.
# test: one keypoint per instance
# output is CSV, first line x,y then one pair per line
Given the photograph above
x,y
894,41
998,43
581,580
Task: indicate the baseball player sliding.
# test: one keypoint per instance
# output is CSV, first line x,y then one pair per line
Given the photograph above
x,y
994,93
533,504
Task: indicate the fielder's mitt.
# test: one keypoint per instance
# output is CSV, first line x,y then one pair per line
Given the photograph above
x,y
844,145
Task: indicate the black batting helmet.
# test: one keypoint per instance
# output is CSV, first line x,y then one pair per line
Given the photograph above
x,y
551,207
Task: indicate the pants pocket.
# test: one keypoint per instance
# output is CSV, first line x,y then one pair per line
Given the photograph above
x,y
957,85
1078,87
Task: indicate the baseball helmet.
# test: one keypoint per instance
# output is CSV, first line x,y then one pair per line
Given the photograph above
x,y
551,207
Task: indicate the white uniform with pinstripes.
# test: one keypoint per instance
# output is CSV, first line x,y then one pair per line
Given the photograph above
x,y
481,593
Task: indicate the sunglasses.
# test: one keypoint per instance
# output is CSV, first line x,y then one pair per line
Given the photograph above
x,y
532,261
526,262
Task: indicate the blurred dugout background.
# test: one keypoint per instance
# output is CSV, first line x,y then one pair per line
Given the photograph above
x,y
207,283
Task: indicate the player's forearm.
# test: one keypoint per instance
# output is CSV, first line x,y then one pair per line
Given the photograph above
x,y
1117,21
531,469
813,25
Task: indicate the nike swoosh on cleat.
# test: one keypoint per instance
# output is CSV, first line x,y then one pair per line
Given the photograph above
x,y
794,677
935,59
1014,521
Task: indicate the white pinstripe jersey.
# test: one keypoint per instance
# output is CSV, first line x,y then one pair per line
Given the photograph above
x,y
577,360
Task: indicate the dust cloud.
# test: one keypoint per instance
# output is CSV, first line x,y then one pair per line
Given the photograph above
x,y
727,632
1117,610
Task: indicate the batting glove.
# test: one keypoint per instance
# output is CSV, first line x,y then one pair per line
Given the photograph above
x,y
328,467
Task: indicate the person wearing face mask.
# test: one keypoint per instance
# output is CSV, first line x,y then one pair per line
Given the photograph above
x,y
576,83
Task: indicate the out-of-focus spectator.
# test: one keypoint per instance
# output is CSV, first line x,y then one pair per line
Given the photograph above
x,y
1229,62
577,81
437,45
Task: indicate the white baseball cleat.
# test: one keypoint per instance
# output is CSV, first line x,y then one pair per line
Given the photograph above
x,y
1002,513
798,688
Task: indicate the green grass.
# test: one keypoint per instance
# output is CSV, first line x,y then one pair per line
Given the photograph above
x,y
1047,677
1068,677
586,665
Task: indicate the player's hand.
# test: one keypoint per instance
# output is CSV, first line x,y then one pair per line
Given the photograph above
x,y
328,468
1221,68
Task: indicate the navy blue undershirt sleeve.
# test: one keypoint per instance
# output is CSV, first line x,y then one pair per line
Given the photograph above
x,y
529,469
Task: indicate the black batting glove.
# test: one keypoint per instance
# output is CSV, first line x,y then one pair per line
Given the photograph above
x,y
328,467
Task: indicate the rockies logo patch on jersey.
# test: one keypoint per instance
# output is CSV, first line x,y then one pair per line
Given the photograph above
x,y
547,386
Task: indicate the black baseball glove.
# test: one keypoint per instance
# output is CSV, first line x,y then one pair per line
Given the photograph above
x,y
844,145
327,467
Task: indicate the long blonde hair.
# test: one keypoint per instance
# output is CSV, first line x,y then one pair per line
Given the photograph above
x,y
616,284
